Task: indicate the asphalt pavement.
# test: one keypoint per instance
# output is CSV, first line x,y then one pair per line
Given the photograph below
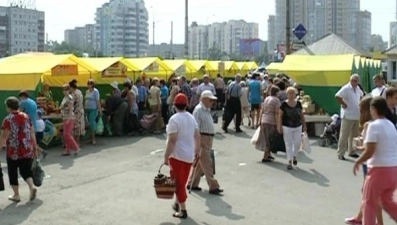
x,y
112,184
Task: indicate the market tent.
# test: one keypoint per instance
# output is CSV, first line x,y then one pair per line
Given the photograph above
x,y
230,69
243,68
320,76
202,67
56,70
273,68
26,72
213,68
111,69
151,67
181,67
252,65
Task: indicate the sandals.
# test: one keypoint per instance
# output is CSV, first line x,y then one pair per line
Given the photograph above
x,y
295,162
33,194
65,154
180,215
289,167
14,198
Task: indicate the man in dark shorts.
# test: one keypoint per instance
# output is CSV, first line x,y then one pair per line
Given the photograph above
x,y
255,97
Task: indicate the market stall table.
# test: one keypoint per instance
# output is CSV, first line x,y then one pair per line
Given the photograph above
x,y
319,122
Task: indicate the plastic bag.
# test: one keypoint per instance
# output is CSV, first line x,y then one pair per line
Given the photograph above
x,y
306,143
100,128
37,173
255,138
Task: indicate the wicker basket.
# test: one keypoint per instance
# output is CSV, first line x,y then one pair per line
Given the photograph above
x,y
164,186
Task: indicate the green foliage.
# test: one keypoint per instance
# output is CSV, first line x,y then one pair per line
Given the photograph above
x,y
65,48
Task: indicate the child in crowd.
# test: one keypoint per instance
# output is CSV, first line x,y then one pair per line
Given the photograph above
x,y
40,131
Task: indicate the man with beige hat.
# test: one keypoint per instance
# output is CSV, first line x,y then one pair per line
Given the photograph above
x,y
116,90
203,116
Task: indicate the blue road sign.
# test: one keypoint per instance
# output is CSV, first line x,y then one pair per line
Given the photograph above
x,y
300,31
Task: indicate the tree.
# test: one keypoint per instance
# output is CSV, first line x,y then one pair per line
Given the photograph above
x,y
215,53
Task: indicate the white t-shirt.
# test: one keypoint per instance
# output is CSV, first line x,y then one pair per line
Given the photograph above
x,y
384,134
40,125
352,99
378,91
184,124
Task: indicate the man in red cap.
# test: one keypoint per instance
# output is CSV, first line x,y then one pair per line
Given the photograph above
x,y
183,145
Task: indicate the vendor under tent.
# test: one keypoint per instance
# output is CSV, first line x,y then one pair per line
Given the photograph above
x,y
181,67
150,67
28,72
202,67
320,76
243,68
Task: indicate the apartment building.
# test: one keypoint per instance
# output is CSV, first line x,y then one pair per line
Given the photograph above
x,y
271,30
81,37
224,36
122,29
321,17
21,30
364,31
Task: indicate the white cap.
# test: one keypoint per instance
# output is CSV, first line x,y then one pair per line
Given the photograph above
x,y
208,94
114,84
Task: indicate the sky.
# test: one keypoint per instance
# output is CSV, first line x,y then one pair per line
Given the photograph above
x,y
62,15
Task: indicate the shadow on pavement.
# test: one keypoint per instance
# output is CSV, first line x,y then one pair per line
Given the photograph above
x,y
54,154
311,176
187,221
18,213
302,157
218,207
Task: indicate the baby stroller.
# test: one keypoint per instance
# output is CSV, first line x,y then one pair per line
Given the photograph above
x,y
331,132
147,122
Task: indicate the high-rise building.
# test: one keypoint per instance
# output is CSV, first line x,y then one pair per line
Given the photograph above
x,y
21,30
122,29
271,33
364,31
225,37
393,34
81,37
319,17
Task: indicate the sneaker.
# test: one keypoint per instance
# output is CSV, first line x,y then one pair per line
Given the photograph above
x,y
353,221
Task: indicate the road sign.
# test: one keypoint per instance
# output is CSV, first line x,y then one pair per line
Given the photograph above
x,y
298,45
300,31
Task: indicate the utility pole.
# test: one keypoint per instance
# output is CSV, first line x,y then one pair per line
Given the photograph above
x,y
172,40
186,29
287,27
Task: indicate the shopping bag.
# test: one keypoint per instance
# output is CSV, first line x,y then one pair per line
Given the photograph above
x,y
215,117
254,138
100,128
306,143
212,156
37,173
2,187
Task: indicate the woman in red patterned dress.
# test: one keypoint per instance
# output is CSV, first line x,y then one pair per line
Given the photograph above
x,y
19,136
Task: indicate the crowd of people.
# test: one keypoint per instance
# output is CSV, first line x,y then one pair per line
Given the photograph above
x,y
368,133
271,105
